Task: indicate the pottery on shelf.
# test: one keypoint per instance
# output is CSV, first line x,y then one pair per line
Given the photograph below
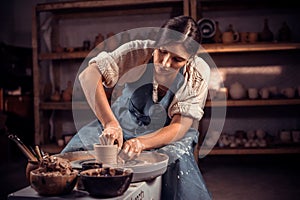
x,y
99,42
266,35
56,96
218,34
284,33
230,35
67,93
237,91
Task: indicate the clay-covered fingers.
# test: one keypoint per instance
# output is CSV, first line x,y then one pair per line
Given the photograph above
x,y
102,140
132,148
113,135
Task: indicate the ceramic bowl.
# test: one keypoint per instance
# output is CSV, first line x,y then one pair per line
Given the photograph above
x,y
47,184
107,181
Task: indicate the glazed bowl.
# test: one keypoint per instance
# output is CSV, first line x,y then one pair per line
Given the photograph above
x,y
106,181
52,184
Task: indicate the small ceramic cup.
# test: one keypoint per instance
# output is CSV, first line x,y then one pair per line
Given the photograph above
x,y
252,37
252,93
106,154
285,136
273,91
260,133
230,37
244,37
264,93
288,92
296,135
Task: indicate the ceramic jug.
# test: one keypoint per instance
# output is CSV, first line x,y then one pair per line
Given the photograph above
x,y
218,34
284,33
266,34
230,35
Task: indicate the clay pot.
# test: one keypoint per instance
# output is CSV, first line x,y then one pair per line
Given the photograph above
x,y
237,91
67,93
55,96
98,43
230,35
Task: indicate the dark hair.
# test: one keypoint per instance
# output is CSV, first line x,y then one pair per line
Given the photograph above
x,y
180,29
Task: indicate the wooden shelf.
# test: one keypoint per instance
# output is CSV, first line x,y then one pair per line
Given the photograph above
x,y
258,102
249,151
98,4
64,105
209,48
64,55
215,5
240,47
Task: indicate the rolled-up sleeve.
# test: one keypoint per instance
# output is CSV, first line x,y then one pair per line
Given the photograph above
x,y
191,97
114,65
107,67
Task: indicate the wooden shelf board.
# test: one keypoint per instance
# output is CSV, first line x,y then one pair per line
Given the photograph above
x,y
249,151
97,4
239,47
132,10
64,55
209,48
64,105
258,102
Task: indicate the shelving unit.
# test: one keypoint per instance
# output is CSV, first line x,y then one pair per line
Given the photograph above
x,y
201,7
73,10
241,47
105,8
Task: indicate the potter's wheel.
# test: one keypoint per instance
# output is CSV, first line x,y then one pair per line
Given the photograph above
x,y
147,166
